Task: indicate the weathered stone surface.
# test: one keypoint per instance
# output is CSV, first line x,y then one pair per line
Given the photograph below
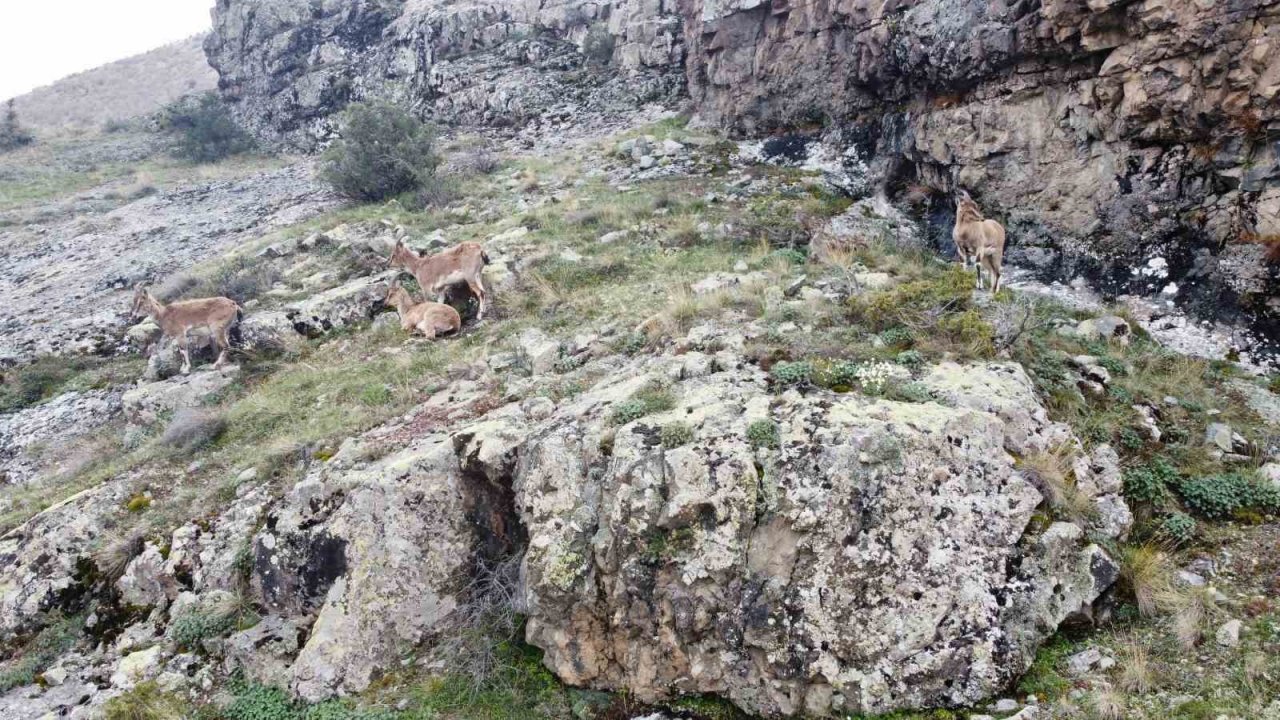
x,y
502,62
356,301
33,441
146,403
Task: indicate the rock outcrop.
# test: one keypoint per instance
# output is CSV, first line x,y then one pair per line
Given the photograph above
x,y
289,69
883,555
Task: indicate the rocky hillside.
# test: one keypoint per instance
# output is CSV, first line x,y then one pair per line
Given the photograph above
x,y
1132,142
734,442
121,90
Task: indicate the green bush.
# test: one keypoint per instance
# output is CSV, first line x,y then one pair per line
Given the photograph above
x,y
764,434
205,130
1149,483
193,628
912,392
1178,528
841,376
943,303
1220,496
898,338
791,374
259,702
910,358
40,380
673,435
12,134
384,151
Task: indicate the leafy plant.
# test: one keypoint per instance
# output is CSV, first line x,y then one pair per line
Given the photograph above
x,y
1149,483
205,129
675,434
1178,528
764,434
193,628
1220,496
384,151
791,374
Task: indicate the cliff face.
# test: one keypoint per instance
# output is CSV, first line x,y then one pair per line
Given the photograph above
x,y
1119,131
290,65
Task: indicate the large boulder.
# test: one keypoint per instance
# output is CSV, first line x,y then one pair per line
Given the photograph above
x,y
356,301
888,555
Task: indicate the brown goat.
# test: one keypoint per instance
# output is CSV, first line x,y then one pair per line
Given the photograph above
x,y
429,318
462,263
979,239
178,319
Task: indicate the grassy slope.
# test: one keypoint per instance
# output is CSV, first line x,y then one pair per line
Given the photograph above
x,y
307,402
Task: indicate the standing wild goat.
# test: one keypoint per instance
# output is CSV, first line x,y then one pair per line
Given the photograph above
x,y
429,318
461,263
979,238
178,319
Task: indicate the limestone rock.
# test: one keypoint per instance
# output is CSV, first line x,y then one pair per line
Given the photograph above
x,y
356,301
144,404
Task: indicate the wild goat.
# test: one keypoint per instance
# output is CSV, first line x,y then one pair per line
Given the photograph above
x,y
178,319
462,263
429,318
979,238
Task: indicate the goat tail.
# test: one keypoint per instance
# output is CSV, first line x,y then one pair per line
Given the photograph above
x,y
484,256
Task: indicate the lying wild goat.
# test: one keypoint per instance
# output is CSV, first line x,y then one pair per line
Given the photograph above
x,y
178,319
429,318
979,238
435,273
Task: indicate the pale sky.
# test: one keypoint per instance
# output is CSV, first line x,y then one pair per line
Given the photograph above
x,y
44,40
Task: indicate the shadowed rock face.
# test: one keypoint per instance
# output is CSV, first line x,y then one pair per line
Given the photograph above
x,y
1104,133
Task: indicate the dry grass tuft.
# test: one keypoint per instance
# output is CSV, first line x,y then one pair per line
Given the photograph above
x,y
1054,476
1146,574
1107,704
1137,674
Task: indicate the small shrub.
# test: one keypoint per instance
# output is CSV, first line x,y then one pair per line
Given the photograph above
x,y
1149,483
599,44
764,434
910,358
384,151
192,429
898,338
205,129
12,134
839,376
874,377
791,256
1177,528
910,392
673,435
40,380
191,629
478,162
791,374
1221,496
259,702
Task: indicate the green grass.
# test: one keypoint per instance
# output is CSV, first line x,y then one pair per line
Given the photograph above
x,y
58,636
